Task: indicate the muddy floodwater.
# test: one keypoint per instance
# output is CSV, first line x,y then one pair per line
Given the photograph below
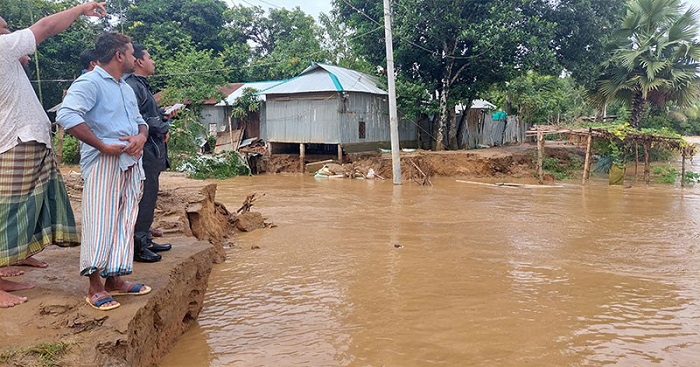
x,y
365,273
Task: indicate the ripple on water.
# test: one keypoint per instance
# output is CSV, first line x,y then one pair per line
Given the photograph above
x,y
484,277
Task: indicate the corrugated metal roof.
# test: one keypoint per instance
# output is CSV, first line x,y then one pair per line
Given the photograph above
x,y
477,104
225,90
327,78
232,97
483,104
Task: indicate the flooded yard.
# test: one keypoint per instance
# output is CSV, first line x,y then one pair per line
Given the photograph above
x,y
364,273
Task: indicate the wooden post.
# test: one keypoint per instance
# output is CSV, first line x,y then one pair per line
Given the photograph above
x,y
683,168
540,156
60,135
302,156
59,144
647,176
340,154
636,158
587,163
230,131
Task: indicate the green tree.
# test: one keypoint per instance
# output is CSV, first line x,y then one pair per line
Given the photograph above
x,y
541,99
583,28
284,42
166,21
336,45
247,104
190,77
459,50
656,60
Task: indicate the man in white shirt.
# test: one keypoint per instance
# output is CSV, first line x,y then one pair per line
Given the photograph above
x,y
34,207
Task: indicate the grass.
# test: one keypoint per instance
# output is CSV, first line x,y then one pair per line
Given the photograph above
x,y
40,355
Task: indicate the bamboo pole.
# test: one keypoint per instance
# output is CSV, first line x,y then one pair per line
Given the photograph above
x,y
636,159
647,176
587,164
683,168
230,132
540,156
59,145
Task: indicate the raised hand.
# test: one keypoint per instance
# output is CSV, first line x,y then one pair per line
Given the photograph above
x,y
94,9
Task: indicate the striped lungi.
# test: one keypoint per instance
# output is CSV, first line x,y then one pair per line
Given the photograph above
x,y
34,207
110,207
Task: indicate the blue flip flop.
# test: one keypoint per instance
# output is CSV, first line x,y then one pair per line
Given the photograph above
x,y
136,289
101,302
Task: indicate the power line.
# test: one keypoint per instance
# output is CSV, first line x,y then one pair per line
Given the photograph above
x,y
310,55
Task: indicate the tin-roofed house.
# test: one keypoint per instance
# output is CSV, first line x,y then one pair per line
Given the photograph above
x,y
329,109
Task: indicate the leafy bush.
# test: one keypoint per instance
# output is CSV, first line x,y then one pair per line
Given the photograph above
x,y
691,177
561,170
186,133
665,174
220,166
71,149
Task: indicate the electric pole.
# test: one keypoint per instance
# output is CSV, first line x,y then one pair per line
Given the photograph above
x,y
393,115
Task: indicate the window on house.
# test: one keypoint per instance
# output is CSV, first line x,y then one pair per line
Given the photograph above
x,y
362,130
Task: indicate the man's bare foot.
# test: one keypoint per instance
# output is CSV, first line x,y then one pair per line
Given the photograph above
x,y
8,286
9,300
30,261
10,272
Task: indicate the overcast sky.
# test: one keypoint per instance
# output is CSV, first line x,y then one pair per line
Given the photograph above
x,y
312,7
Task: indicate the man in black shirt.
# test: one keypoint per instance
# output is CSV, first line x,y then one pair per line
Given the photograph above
x,y
155,158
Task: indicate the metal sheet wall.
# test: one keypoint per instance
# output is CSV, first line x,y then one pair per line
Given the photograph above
x,y
329,118
214,115
370,108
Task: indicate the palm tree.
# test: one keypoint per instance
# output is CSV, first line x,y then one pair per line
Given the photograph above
x,y
656,60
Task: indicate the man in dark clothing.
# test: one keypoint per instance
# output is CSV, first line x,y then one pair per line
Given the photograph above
x,y
88,60
155,158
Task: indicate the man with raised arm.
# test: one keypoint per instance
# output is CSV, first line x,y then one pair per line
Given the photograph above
x,y
34,207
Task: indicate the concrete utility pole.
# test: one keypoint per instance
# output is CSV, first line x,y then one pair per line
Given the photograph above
x,y
393,115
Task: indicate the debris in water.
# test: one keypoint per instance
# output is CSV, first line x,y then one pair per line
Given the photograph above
x,y
396,245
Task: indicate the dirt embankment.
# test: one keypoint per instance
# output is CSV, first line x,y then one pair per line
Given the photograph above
x,y
515,161
57,327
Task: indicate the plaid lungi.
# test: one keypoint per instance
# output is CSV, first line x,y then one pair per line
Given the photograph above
x,y
34,207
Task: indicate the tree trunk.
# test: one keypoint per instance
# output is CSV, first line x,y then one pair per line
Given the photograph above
x,y
637,110
442,121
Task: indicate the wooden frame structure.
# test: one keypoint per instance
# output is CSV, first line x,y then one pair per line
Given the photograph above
x,y
636,138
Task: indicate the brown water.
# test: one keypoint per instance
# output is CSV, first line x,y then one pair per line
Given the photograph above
x,y
486,276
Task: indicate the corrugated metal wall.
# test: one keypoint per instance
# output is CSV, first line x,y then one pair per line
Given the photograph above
x,y
328,118
214,115
312,118
483,130
373,110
